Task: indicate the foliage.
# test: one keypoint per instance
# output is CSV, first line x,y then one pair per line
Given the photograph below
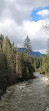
x,y
37,61
27,44
14,65
44,69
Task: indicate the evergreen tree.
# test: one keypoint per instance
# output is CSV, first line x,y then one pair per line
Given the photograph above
x,y
3,70
7,49
27,44
13,65
48,47
1,40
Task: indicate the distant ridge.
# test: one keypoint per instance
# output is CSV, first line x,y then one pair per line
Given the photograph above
x,y
31,53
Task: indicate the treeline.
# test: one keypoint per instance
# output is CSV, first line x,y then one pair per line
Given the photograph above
x,y
14,66
44,69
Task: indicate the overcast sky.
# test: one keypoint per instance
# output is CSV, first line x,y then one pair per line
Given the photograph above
x,y
19,18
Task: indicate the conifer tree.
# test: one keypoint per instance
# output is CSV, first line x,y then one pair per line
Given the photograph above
x,y
27,44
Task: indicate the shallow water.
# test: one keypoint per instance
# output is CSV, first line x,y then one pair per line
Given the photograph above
x,y
32,95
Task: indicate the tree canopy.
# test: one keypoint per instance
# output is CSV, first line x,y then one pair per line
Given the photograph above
x,y
14,66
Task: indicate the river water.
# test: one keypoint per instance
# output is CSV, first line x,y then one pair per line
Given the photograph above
x,y
32,95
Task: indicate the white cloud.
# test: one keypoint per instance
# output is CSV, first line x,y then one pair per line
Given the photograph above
x,y
31,27
19,10
18,33
43,12
13,15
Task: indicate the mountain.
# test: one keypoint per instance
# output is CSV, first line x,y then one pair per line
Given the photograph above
x,y
31,53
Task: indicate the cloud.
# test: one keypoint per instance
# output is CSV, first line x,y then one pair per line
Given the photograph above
x,y
19,10
37,34
43,12
16,22
18,33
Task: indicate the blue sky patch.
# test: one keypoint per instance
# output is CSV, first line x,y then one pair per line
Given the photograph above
x,y
35,17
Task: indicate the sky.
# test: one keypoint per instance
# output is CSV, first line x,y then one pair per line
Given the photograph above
x,y
19,18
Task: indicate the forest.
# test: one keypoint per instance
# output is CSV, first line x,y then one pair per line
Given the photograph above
x,y
19,66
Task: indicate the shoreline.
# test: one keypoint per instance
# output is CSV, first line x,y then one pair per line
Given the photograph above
x,y
17,81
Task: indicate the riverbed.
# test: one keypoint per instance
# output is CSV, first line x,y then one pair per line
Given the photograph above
x,y
31,95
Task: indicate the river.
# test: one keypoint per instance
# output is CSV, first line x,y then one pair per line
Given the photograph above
x,y
31,95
